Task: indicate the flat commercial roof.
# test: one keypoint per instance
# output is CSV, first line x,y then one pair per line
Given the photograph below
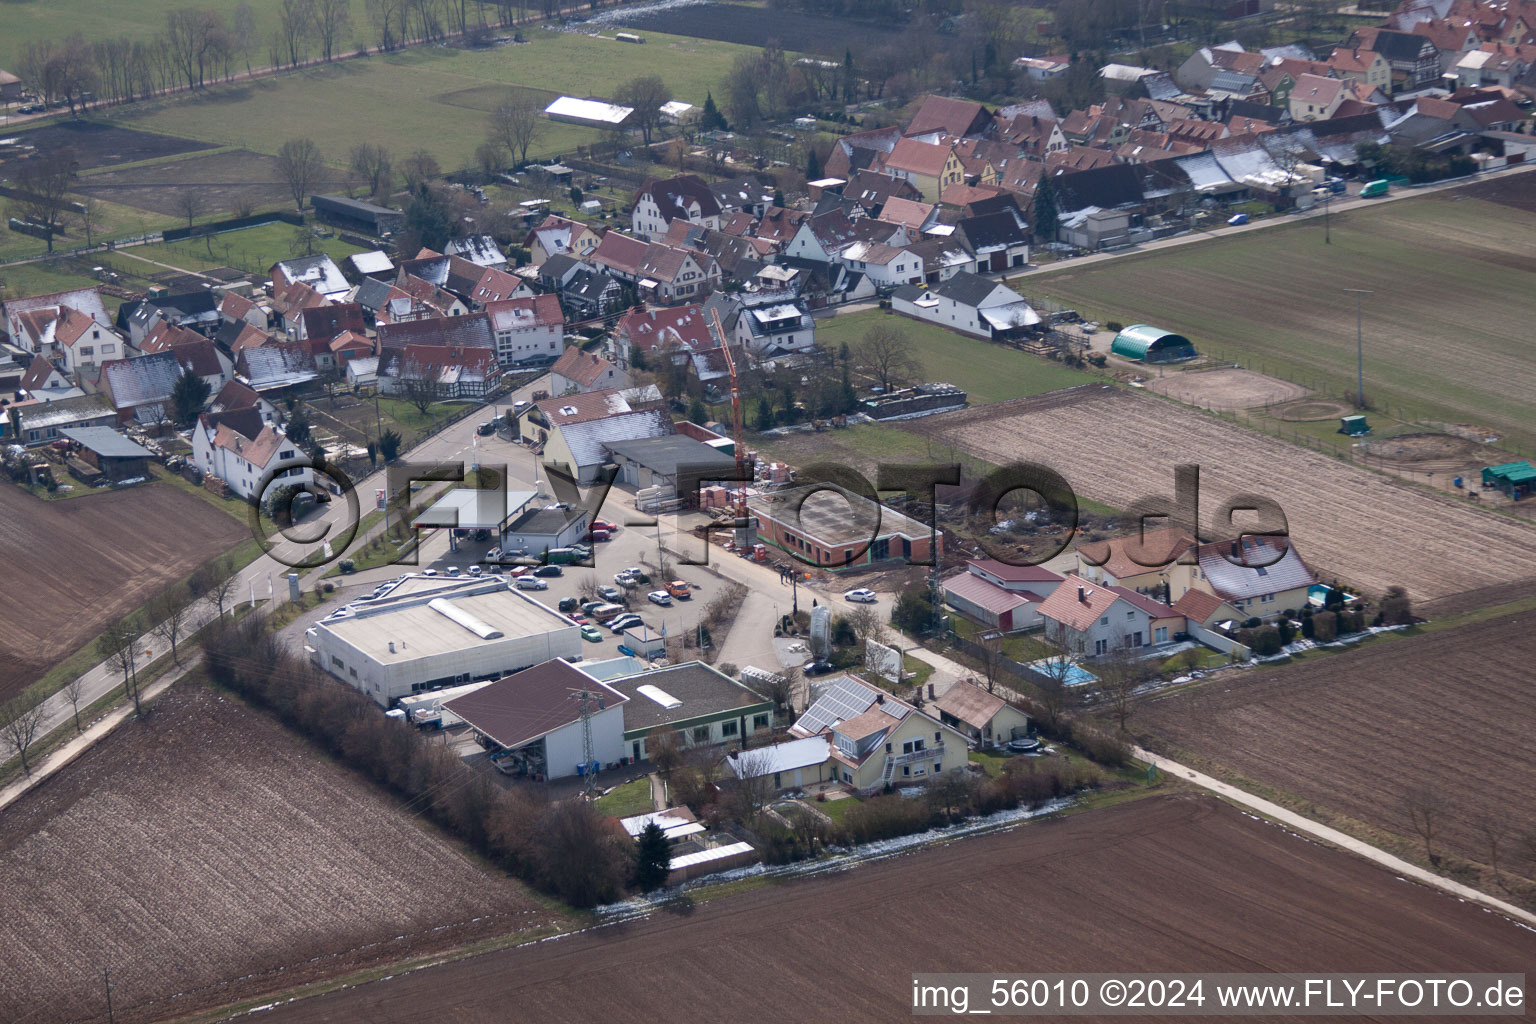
x,y
831,520
467,508
665,455
546,522
420,625
780,757
700,690
108,443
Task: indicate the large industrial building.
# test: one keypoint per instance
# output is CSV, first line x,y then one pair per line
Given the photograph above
x,y
833,527
426,633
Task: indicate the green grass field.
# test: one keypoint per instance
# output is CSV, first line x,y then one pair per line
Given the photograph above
x,y
253,249
431,97
27,21
1446,330
987,372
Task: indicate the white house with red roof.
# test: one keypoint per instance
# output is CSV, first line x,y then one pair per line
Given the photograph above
x,y
30,321
1097,619
243,462
560,236
1000,595
581,372
678,332
530,330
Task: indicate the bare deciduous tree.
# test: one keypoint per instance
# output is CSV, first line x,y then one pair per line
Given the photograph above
x,y
867,624
419,168
171,612
216,582
189,203
300,164
1494,828
371,164
1057,695
751,782
91,213
1426,811
42,190
646,94
885,353
117,645
991,659
20,723
297,18
1121,676
74,691
332,18
516,124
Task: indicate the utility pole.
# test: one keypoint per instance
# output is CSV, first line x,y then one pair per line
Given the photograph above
x,y
1359,345
589,789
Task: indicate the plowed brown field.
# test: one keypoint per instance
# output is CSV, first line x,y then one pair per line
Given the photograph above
x,y
206,854
1117,446
73,566
1450,710
1162,884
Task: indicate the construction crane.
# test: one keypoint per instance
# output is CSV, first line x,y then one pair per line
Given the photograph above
x,y
743,470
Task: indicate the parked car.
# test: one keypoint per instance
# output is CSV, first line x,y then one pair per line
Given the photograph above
x,y
638,574
623,622
493,554
597,536
861,595
549,570
627,651
475,570
591,606
818,668
610,593
530,583
429,572
454,570
624,579
592,633
1238,218
603,524
486,429
605,612
680,590
660,597
567,604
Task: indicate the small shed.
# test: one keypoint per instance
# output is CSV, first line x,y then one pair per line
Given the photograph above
x,y
1147,344
645,642
1516,479
110,453
1354,426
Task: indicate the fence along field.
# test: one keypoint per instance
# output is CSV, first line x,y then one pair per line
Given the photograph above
x,y
1446,332
1176,883
1448,710
206,854
1116,446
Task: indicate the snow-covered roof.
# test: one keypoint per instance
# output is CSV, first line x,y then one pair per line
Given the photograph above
x,y
780,757
595,111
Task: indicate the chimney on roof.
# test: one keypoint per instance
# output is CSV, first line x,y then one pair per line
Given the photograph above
x,y
1082,594
1235,550
391,647
879,698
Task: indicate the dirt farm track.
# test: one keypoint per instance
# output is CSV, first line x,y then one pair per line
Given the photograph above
x,y
1178,883
206,854
77,564
1449,710
1226,389
1117,446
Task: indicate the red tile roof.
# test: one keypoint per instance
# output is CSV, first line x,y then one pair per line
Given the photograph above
x,y
920,158
1159,549
1014,573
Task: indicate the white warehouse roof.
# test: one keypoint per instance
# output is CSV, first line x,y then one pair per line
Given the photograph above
x,y
594,111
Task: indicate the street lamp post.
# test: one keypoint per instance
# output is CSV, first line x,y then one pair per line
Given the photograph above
x,y
1359,345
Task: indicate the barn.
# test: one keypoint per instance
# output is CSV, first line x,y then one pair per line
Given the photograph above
x,y
1147,344
1516,479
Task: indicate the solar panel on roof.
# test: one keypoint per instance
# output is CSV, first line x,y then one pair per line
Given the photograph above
x,y
842,700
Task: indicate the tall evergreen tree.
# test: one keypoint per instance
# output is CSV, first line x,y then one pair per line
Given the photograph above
x,y
711,119
812,165
1045,209
653,858
188,397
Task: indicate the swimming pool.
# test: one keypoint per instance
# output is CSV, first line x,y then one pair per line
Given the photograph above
x,y
1075,675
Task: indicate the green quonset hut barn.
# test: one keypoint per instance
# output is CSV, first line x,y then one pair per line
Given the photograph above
x,y
1147,344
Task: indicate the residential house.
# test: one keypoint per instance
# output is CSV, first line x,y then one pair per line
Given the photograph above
x,y
1452,38
42,377
821,238
914,216
585,292
1261,577
1201,69
31,321
581,372
222,447
193,352
970,304
1493,64
450,372
668,274
235,337
296,298
84,343
197,311
999,241
764,330
1096,619
660,201
1364,66
275,367
620,255
1205,610
480,250
746,195
318,272
1160,563
939,116
34,423
236,395
649,334
560,236
876,739
324,324
1000,595
375,264
527,330
778,226
1043,69
860,151
237,308
141,388
927,166
1411,58
1315,98
570,430
869,191
986,719
470,331
886,266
